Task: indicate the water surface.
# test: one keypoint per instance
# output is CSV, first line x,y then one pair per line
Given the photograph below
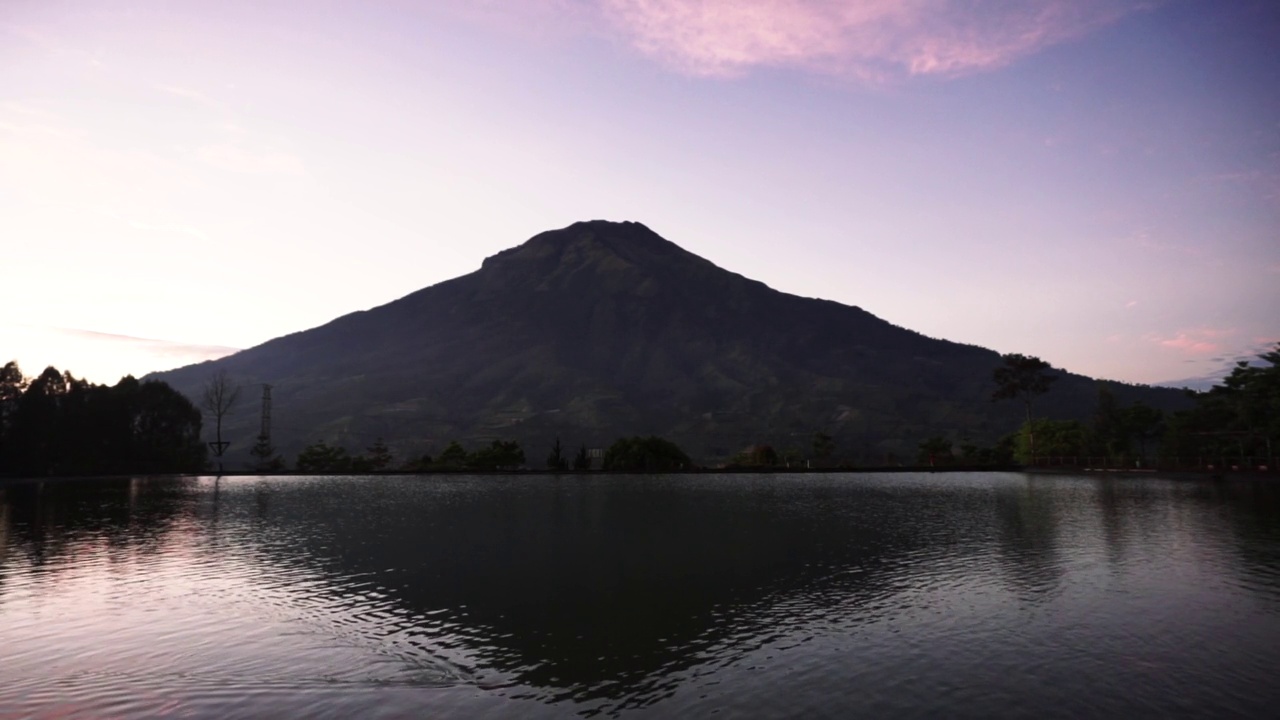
x,y
958,595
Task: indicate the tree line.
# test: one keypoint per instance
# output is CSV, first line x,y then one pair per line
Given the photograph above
x,y
58,424
636,454
1236,421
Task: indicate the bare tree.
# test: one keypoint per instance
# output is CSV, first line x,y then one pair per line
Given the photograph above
x,y
218,399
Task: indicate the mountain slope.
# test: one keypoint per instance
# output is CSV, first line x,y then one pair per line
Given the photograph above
x,y
606,329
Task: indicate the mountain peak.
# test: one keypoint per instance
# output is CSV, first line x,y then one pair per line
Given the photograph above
x,y
603,329
601,243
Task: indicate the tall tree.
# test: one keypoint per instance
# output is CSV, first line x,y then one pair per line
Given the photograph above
x,y
38,424
12,383
1142,422
264,455
166,430
1110,432
219,398
556,461
582,461
378,455
1022,377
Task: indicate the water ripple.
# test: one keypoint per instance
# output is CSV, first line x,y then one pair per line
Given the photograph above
x,y
813,596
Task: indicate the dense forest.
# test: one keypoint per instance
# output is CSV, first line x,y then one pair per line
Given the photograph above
x,y
57,424
1235,423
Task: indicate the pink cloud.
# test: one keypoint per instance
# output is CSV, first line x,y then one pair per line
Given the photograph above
x,y
869,39
872,40
1197,341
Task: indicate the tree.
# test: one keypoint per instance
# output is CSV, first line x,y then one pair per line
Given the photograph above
x,y
823,445
582,461
264,455
12,383
454,456
419,464
1057,438
378,456
323,458
500,455
63,425
1239,417
165,430
219,398
645,454
1143,422
935,451
37,435
1111,436
556,461
1022,377
758,455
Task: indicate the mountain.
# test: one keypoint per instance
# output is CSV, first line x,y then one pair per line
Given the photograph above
x,y
604,329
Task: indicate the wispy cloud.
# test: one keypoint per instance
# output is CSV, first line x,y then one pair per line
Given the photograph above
x,y
99,356
1145,240
873,40
152,344
191,95
233,158
1195,341
1226,364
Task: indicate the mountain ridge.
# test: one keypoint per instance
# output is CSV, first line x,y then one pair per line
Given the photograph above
x,y
603,329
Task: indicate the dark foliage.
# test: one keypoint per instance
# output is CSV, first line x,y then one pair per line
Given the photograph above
x,y
60,425
264,456
1022,377
1238,418
453,456
758,455
323,458
935,451
500,455
645,454
582,461
555,460
377,456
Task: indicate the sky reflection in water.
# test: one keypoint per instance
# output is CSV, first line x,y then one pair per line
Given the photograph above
x,y
896,595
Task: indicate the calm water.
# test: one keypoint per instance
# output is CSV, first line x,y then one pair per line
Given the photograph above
x,y
837,596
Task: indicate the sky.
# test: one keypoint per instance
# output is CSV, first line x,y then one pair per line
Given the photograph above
x,y
1094,182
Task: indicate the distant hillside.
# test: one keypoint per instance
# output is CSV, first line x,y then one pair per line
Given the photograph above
x,y
606,329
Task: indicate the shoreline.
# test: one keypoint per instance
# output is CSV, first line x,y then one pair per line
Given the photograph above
x,y
1170,474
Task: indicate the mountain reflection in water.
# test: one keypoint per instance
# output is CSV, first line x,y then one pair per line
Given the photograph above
x,y
764,596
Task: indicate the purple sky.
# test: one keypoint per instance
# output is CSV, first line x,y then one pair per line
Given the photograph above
x,y
1096,183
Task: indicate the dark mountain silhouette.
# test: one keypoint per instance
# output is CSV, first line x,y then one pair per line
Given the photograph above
x,y
606,329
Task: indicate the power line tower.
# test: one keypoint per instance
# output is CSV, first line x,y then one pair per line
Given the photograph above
x,y
266,412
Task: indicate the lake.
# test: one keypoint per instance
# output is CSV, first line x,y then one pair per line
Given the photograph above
x,y
762,596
